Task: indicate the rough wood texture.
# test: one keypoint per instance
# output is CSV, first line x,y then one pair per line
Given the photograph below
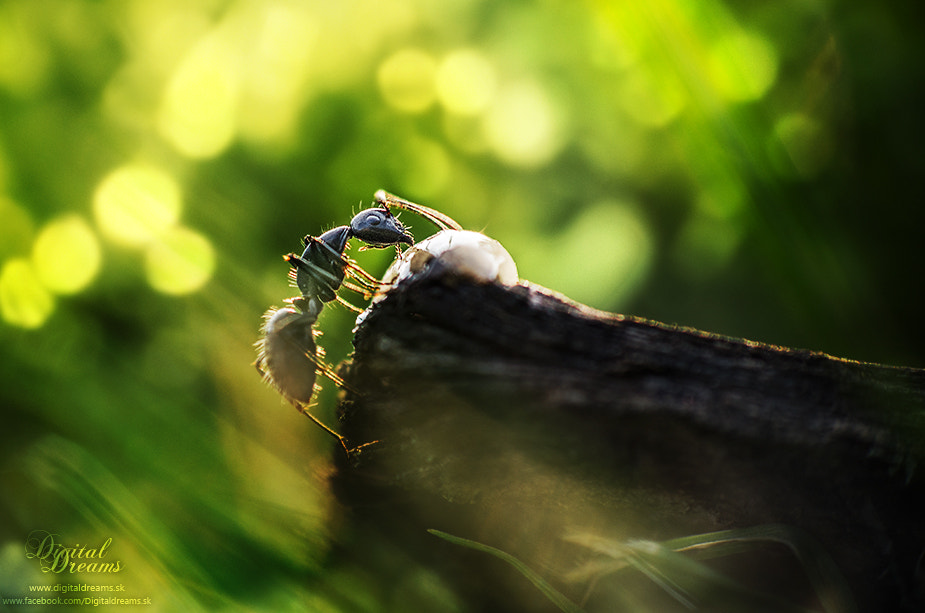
x,y
512,416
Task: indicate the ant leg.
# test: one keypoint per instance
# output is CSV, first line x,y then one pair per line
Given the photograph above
x,y
351,452
362,286
327,370
360,281
346,303
359,275
301,408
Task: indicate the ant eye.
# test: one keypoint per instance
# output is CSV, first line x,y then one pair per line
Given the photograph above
x,y
373,220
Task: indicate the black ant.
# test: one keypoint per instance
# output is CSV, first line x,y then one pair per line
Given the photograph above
x,y
288,357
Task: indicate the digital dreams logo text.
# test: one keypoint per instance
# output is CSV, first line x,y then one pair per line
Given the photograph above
x,y
54,557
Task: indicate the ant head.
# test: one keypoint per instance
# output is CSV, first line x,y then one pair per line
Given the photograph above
x,y
377,227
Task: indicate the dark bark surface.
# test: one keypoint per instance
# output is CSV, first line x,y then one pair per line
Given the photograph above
x,y
512,416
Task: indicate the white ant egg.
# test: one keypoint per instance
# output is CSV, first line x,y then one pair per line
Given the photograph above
x,y
467,253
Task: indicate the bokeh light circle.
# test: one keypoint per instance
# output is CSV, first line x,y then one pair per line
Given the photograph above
x,y
135,203
180,262
466,82
743,65
805,142
406,80
199,112
524,127
66,255
24,301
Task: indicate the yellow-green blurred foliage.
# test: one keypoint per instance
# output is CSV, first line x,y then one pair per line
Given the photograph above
x,y
749,168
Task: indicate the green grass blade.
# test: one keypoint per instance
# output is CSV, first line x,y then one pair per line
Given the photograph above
x,y
827,581
549,591
693,584
675,567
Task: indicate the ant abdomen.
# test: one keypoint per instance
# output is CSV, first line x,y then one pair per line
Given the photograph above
x,y
287,354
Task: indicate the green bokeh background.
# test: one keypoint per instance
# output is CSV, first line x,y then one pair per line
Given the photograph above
x,y
748,168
